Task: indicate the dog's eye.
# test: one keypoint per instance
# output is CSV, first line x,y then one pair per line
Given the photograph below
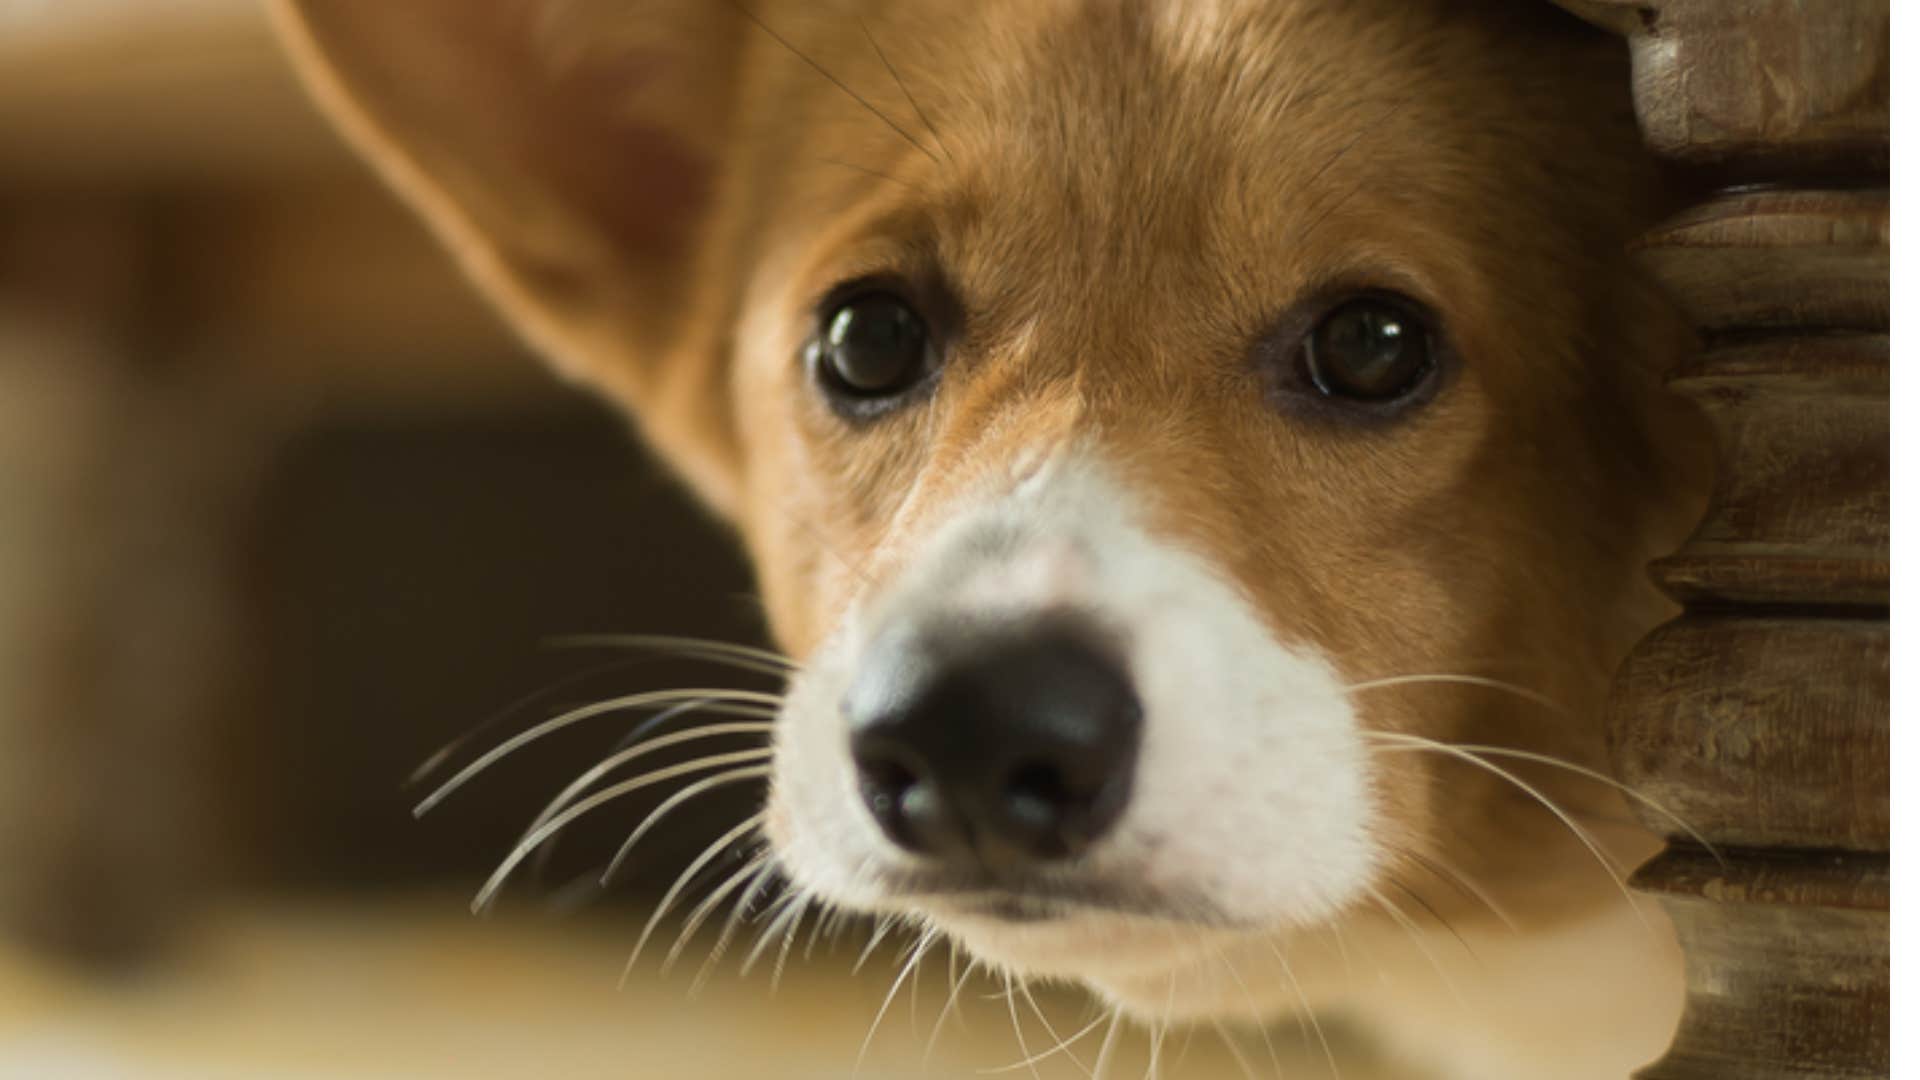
x,y
873,346
1372,348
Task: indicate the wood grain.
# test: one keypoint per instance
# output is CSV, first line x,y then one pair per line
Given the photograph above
x,y
1772,87
1788,965
1800,515
1761,715
1762,732
1778,260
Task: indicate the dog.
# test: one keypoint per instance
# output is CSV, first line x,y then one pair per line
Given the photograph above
x,y
1201,455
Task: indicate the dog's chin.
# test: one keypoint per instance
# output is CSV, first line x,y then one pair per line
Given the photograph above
x,y
1154,968
1042,939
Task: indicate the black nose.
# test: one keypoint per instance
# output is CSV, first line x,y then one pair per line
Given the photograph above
x,y
997,745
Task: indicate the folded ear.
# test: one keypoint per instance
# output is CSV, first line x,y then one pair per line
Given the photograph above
x,y
568,151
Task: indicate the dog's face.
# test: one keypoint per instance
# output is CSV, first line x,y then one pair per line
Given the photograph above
x,y
1148,421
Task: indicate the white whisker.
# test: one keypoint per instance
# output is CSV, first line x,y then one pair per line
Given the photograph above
x,y
679,885
1186,1047
706,907
736,919
1019,1036
1157,1032
628,750
1239,1056
1108,1044
598,799
587,712
1452,875
675,801
1340,946
1465,946
926,942
829,925
1413,934
927,937
745,656
786,946
1326,1047
439,757
659,742
1416,742
792,906
1599,778
954,986
1481,681
1266,1037
1060,1045
880,930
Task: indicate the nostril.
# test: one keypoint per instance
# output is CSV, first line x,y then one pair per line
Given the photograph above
x,y
1036,808
1038,792
1053,814
886,786
900,796
887,777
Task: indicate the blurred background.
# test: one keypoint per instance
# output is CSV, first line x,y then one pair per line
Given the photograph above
x,y
283,512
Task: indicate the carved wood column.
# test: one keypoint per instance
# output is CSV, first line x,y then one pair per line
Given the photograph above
x,y
1760,715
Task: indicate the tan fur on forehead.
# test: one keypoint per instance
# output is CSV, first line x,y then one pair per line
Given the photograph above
x,y
1124,253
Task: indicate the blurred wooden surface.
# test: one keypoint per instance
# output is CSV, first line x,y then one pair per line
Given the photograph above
x,y
191,270
1777,86
407,991
106,94
270,251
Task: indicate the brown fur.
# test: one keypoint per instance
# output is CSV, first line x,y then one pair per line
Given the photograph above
x,y
1121,197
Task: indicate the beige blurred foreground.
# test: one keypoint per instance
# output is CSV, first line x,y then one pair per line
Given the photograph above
x,y
404,990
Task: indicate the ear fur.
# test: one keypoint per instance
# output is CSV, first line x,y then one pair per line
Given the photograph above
x,y
569,153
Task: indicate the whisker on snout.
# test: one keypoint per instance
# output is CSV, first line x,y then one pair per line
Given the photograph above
x,y
1483,756
753,868
601,798
769,702
731,776
753,714
635,744
1400,741
740,915
742,657
1482,681
1459,880
764,661
679,886
1599,778
1399,915
632,753
783,924
434,761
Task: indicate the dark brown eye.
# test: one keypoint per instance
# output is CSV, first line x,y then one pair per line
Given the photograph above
x,y
873,346
1372,348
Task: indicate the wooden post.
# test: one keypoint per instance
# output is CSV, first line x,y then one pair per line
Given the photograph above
x,y
1760,715
123,489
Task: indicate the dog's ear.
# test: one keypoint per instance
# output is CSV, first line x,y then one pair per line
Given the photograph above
x,y
569,152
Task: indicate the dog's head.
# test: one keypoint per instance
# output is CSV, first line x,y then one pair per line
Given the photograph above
x,y
1161,428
